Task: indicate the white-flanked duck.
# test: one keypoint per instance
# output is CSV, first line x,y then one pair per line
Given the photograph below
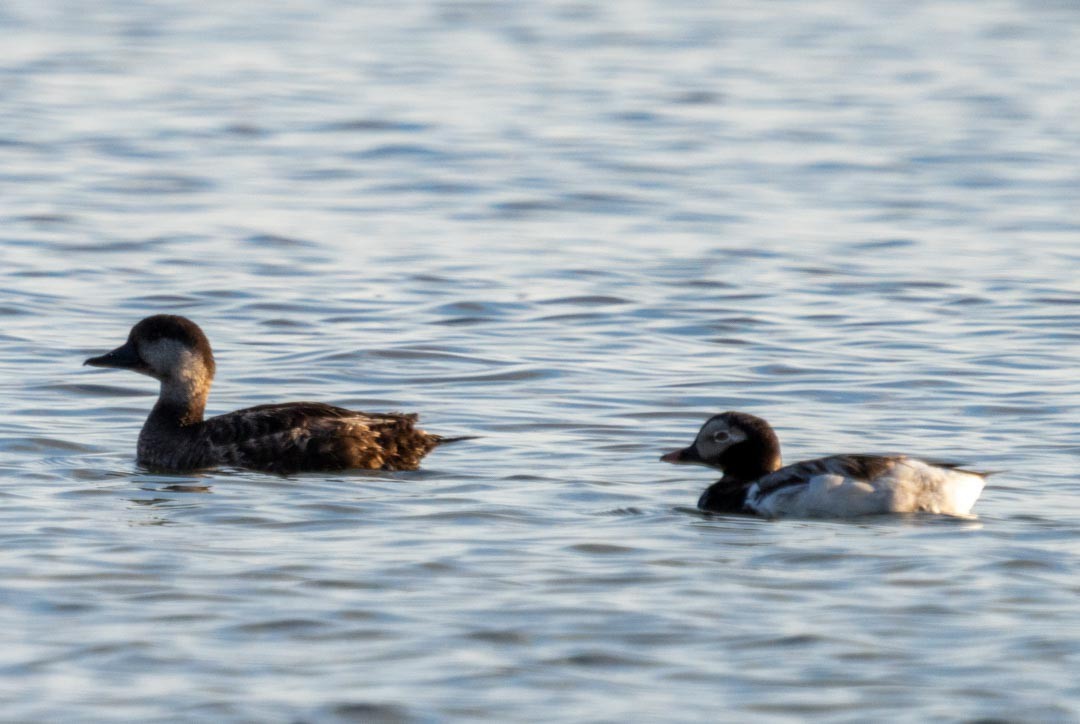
x,y
747,450
283,438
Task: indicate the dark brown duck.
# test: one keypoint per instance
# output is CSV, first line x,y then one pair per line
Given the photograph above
x,y
282,438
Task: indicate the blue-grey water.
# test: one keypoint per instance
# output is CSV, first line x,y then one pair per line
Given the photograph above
x,y
576,229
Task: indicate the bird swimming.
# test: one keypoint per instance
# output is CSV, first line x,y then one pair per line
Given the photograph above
x,y
282,438
747,450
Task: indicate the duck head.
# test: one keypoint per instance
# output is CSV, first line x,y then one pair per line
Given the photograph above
x,y
174,351
741,445
163,346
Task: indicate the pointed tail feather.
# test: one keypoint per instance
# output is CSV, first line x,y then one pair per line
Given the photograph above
x,y
440,440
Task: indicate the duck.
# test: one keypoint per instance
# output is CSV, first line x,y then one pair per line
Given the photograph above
x,y
283,438
755,481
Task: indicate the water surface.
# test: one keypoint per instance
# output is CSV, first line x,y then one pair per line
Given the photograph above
x,y
576,230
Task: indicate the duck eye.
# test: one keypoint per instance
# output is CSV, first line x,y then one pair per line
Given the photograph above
x,y
721,437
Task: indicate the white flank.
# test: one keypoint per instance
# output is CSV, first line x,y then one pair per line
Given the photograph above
x,y
912,486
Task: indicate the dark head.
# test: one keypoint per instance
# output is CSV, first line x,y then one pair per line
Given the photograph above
x,y
743,446
166,347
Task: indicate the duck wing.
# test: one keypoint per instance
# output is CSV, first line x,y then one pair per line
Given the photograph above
x,y
856,467
297,436
851,485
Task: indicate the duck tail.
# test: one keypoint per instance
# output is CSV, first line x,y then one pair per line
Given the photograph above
x,y
440,440
961,468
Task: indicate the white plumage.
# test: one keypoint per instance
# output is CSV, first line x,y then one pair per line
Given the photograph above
x,y
747,450
908,486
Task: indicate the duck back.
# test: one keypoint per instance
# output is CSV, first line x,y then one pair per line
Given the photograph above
x,y
290,437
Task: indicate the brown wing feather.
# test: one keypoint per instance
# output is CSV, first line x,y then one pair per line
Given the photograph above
x,y
299,436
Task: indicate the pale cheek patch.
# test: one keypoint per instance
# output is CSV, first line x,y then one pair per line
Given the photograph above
x,y
710,449
183,374
164,355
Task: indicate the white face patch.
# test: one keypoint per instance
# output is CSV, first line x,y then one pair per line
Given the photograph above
x,y
716,437
182,372
165,356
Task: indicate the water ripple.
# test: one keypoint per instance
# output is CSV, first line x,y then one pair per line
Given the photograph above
x,y
576,231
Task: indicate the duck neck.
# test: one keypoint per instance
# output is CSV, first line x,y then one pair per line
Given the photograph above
x,y
752,459
182,400
727,495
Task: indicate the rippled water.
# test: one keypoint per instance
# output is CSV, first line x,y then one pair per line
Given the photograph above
x,y
575,229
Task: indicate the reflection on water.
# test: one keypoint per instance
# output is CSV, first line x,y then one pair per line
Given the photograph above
x,y
574,230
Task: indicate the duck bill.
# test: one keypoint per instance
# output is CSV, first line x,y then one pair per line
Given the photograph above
x,y
686,456
123,357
